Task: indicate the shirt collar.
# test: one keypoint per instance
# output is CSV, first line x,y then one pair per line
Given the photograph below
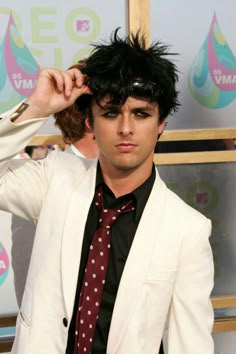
x,y
140,194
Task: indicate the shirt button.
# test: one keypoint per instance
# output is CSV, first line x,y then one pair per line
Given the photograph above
x,y
65,322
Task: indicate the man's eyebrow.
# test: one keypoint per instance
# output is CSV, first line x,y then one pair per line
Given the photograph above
x,y
142,106
147,107
110,106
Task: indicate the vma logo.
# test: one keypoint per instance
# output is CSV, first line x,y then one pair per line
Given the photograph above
x,y
18,70
4,264
212,76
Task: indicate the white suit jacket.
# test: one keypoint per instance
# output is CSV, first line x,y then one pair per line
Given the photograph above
x,y
168,274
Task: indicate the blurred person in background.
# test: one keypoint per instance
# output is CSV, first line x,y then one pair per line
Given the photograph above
x,y
75,128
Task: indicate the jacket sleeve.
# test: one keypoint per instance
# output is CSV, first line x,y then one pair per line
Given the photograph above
x,y
191,315
22,182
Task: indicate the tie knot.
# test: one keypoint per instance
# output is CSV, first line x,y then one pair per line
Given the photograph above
x,y
108,216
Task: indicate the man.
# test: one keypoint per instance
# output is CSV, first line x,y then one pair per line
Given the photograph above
x,y
160,265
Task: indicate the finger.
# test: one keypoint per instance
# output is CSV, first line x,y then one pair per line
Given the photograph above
x,y
55,76
77,77
69,83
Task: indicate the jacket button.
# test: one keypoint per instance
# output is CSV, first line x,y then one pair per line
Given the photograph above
x,y
65,322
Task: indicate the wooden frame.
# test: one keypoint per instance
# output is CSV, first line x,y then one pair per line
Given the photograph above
x,y
6,344
139,17
198,134
224,324
168,135
173,135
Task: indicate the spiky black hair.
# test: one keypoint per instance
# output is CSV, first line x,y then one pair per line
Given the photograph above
x,y
126,67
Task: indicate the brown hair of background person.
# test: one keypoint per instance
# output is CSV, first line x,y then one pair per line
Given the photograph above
x,y
71,121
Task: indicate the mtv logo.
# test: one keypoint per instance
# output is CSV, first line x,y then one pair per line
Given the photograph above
x,y
202,198
82,25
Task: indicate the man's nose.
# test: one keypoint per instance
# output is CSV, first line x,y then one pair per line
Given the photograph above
x,y
125,125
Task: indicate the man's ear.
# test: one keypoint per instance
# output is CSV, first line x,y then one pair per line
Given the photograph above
x,y
161,127
87,124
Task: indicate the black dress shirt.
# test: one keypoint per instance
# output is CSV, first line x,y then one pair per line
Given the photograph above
x,y
122,235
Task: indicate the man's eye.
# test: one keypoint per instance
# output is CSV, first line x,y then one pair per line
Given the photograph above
x,y
110,114
142,114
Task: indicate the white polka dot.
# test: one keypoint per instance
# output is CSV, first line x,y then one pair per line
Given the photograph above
x,y
108,227
76,333
100,220
78,345
100,239
118,210
99,194
113,217
91,247
85,349
93,261
81,321
83,335
89,312
102,267
86,283
101,253
80,308
105,210
108,246
90,339
97,304
90,326
108,232
94,275
95,290
87,298
103,282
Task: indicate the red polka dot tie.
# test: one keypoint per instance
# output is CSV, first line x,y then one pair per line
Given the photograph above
x,y
95,275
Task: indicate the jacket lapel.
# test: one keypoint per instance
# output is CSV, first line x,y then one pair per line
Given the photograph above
x,y
137,264
73,233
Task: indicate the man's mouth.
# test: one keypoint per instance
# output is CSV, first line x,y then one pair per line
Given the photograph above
x,y
126,147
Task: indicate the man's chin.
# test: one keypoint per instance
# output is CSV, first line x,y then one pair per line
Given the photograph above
x,y
126,165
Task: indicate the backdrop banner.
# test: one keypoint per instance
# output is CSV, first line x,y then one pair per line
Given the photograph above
x,y
203,33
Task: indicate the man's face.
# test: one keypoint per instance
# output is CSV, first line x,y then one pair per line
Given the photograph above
x,y
126,134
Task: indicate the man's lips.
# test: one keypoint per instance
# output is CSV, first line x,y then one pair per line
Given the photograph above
x,y
126,147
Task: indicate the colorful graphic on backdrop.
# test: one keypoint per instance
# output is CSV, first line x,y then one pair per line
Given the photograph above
x,y
212,76
18,68
4,264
